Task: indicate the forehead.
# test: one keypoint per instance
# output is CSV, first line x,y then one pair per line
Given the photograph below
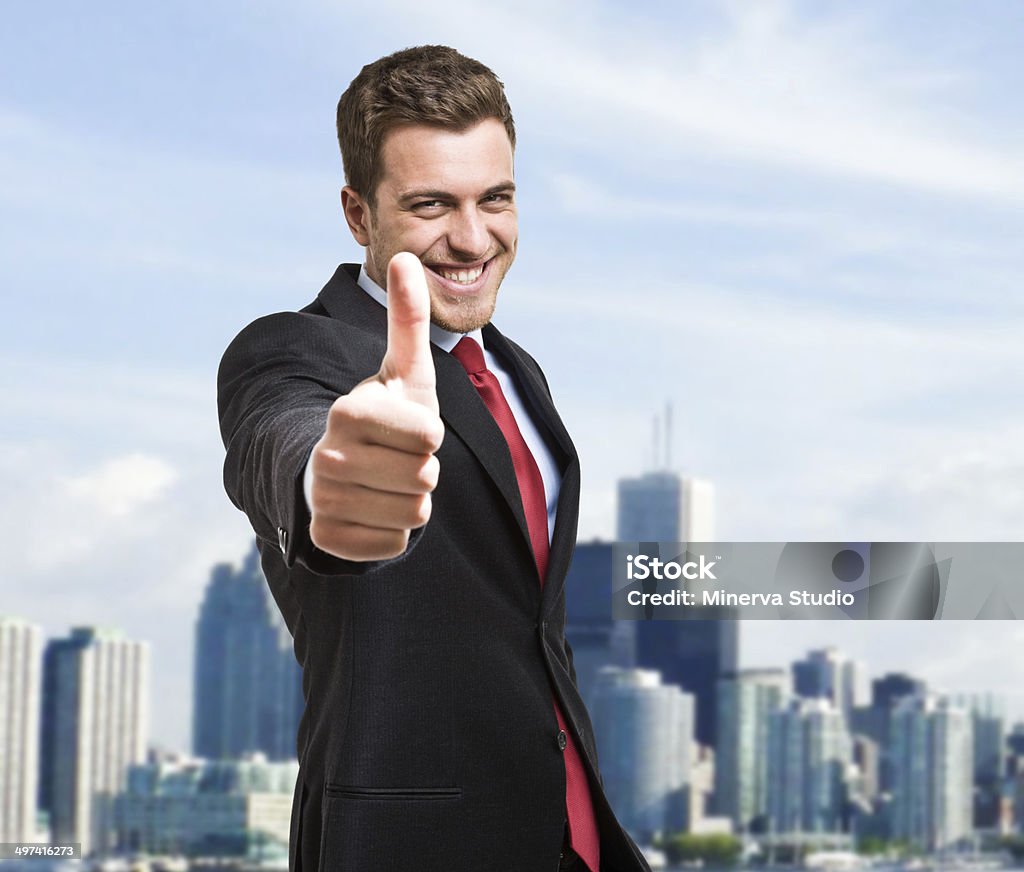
x,y
464,161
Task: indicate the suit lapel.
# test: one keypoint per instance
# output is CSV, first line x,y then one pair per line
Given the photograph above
x,y
465,414
563,539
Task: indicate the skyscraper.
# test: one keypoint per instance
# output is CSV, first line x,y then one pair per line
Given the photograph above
x,y
809,755
875,720
693,654
596,640
247,683
664,506
20,658
95,725
932,761
746,700
888,690
829,674
988,724
645,738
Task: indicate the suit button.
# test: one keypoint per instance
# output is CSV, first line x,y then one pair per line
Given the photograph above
x,y
563,740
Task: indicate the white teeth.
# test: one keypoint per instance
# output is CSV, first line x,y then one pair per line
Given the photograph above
x,y
462,276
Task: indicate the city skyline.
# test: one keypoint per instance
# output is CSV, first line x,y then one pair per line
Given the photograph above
x,y
763,645
799,225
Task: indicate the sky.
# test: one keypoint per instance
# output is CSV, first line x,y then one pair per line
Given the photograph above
x,y
796,222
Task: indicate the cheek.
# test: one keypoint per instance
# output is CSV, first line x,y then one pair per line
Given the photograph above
x,y
507,231
419,237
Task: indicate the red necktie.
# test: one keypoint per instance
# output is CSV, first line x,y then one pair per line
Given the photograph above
x,y
580,810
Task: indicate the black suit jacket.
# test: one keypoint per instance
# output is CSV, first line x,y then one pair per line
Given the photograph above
x,y
428,740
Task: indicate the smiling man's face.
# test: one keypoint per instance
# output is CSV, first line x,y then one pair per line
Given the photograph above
x,y
449,198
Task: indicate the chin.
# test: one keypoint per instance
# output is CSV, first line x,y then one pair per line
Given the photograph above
x,y
462,319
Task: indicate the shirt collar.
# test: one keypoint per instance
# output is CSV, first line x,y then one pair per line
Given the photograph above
x,y
443,339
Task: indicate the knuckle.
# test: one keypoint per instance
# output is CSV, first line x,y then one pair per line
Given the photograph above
x,y
429,473
327,461
433,433
421,510
321,534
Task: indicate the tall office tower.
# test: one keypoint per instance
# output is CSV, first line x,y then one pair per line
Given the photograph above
x,y
988,723
893,687
856,686
694,654
698,510
931,754
596,640
247,683
874,720
645,737
95,725
208,808
20,657
664,506
829,674
746,699
809,755
1015,739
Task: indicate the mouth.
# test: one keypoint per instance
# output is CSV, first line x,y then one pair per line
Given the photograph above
x,y
461,279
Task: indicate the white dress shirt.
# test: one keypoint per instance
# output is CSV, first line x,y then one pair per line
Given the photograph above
x,y
446,341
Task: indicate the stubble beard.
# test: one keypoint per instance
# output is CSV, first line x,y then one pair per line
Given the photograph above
x,y
468,315
460,315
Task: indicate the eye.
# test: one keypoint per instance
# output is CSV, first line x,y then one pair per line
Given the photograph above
x,y
428,204
499,199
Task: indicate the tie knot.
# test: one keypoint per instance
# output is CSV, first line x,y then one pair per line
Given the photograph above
x,y
470,355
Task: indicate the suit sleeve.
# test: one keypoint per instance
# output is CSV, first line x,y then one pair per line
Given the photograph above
x,y
276,384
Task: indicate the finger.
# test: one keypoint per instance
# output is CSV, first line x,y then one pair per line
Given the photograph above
x,y
374,414
355,504
357,542
378,467
408,364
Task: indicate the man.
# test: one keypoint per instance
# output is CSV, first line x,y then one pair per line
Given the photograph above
x,y
415,498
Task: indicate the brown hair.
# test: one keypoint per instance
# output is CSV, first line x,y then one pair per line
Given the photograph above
x,y
429,84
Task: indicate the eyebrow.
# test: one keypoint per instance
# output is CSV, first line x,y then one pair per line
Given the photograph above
x,y
429,194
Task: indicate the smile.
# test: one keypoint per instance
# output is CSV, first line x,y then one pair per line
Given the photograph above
x,y
462,279
462,276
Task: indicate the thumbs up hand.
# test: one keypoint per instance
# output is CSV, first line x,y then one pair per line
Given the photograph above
x,y
374,468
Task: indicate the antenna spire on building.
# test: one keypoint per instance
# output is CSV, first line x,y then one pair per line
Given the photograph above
x,y
668,435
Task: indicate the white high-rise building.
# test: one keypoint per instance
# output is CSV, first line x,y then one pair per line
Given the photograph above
x,y
645,737
665,507
931,754
698,519
20,659
746,700
809,757
95,723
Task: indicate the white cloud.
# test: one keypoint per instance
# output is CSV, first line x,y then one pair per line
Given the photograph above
x,y
822,95
813,424
120,487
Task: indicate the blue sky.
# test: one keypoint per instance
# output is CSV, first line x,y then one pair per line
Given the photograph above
x,y
798,222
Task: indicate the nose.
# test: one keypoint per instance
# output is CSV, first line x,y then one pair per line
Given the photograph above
x,y
468,235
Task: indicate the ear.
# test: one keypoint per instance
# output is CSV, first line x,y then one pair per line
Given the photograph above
x,y
357,214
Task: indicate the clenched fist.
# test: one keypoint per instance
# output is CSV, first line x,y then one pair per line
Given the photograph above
x,y
374,468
